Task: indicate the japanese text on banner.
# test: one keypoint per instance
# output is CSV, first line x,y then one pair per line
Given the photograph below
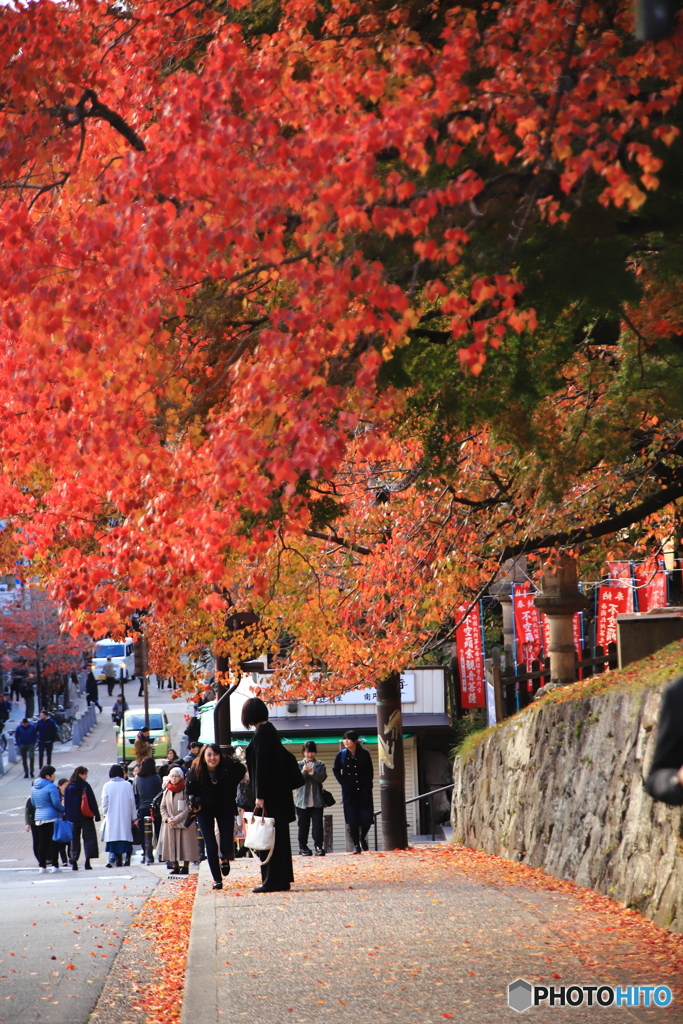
x,y
527,625
470,654
612,601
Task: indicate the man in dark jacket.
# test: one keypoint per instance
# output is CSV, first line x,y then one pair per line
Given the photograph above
x,y
47,734
92,692
119,707
353,771
665,781
26,737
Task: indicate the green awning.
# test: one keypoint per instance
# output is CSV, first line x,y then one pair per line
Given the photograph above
x,y
318,740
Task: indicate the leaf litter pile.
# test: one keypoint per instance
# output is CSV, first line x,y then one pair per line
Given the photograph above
x,y
146,984
606,938
418,935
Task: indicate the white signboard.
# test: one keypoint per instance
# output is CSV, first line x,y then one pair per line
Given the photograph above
x,y
370,696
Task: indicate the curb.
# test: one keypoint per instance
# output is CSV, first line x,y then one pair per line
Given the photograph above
x,y
200,997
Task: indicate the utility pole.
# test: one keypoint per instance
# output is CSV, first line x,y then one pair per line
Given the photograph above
x,y
392,776
234,621
221,715
141,653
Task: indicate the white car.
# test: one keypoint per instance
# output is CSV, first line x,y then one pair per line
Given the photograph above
x,y
121,654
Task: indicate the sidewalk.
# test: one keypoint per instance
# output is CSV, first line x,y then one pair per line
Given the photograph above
x,y
413,937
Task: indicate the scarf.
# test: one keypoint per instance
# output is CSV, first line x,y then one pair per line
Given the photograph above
x,y
176,787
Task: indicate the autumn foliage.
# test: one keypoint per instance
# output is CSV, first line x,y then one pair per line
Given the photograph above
x,y
325,311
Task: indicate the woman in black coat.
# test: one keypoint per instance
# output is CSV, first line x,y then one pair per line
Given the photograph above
x,y
83,826
212,786
270,779
146,786
353,771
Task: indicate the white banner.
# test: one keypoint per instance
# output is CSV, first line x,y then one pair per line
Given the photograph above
x,y
370,696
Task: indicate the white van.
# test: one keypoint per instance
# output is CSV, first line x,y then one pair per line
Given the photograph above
x,y
121,654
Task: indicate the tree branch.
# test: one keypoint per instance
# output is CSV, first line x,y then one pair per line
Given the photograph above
x,y
332,538
568,538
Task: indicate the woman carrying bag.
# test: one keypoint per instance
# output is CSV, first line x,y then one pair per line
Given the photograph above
x,y
270,777
118,804
212,785
146,786
49,814
177,843
82,811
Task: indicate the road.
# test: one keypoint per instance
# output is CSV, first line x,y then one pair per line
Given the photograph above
x,y
78,918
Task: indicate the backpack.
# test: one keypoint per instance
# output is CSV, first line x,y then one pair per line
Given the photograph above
x,y
245,795
155,809
292,771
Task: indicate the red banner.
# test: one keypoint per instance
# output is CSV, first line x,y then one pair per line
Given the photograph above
x,y
527,625
469,646
612,601
623,571
653,590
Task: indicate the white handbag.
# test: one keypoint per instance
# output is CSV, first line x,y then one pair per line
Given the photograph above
x,y
260,834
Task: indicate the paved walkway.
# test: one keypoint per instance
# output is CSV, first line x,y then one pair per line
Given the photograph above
x,y
414,937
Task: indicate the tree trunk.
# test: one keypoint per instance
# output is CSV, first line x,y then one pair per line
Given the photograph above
x,y
392,783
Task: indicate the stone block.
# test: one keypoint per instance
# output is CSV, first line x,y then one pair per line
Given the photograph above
x,y
638,636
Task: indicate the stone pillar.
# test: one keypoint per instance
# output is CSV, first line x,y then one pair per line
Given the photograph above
x,y
560,599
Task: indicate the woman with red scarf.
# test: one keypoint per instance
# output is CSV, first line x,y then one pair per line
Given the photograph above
x,y
176,843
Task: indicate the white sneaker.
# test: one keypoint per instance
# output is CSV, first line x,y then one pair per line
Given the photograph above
x,y
42,871
55,870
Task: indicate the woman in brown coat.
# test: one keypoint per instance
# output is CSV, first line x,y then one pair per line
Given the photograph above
x,y
176,843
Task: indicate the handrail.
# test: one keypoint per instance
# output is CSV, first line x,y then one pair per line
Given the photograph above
x,y
411,800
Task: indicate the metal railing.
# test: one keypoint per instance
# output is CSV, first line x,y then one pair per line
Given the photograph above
x,y
412,800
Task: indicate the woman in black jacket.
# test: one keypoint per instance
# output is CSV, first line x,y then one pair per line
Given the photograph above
x,y
212,786
353,771
272,791
83,825
146,786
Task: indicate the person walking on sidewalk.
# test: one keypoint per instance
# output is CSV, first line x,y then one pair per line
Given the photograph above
x,y
92,692
146,785
60,844
118,709
177,843
109,672
26,737
118,806
30,825
211,786
79,797
5,711
353,771
309,803
48,732
272,790
49,808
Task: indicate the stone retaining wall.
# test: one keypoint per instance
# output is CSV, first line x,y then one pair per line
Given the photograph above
x,y
560,788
